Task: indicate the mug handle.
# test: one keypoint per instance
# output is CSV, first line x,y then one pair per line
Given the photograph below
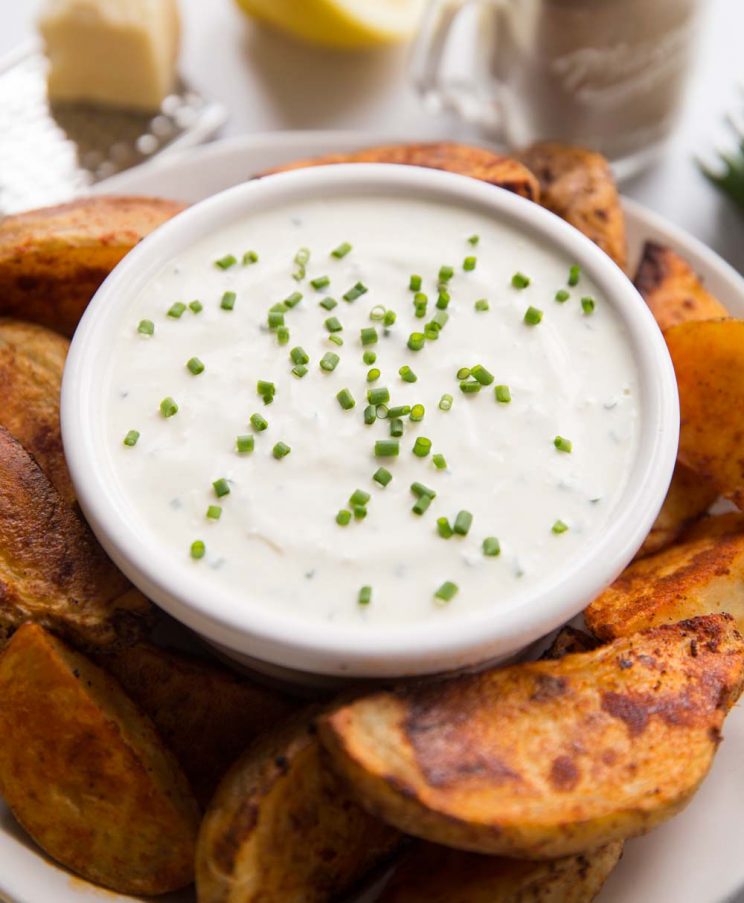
x,y
476,100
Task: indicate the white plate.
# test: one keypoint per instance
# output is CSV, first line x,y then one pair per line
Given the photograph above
x,y
697,857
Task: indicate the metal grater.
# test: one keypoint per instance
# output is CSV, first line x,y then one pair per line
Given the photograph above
x,y
51,154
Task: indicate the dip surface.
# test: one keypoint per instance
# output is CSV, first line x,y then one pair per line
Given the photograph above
x,y
276,541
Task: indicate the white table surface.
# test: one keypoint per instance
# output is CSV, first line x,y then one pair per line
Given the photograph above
x,y
269,82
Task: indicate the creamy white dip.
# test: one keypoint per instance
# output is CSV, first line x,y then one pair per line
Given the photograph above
x,y
277,541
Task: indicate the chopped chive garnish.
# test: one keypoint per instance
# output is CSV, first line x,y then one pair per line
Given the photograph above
x,y
249,257
421,504
335,338
168,407
266,389
470,387
195,365
482,305
447,591
462,523
214,512
377,313
407,375
417,413
503,394
328,303
301,260
431,332
401,410
386,448
329,361
228,301
332,324
176,310
469,264
343,517
421,447
198,549
382,476
480,373
378,395
519,280
574,274
293,300
373,374
440,462
345,399
587,305
419,489
532,316
368,335
369,357
559,527
381,411
360,512
443,528
370,415
446,273
259,423
396,427
341,251
416,341
491,546
365,595
221,487
131,438
245,444
389,318
415,283
280,450
298,355
564,445
280,307
275,319
443,300
463,373
420,301
356,291
562,295
224,263
440,319
196,307
473,240
282,335
299,371
359,497
445,402
146,327
320,282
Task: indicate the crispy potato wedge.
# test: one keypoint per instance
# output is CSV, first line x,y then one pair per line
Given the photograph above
x,y
672,289
708,357
86,774
698,577
205,714
52,260
281,827
578,185
435,874
546,759
52,570
463,159
31,363
729,524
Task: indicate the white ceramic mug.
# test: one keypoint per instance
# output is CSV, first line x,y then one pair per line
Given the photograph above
x,y
607,74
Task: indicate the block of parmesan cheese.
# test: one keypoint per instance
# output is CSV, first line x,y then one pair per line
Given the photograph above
x,y
119,53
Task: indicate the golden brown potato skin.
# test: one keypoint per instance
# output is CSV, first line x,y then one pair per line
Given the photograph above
x,y
52,570
704,575
52,260
31,363
672,290
281,828
86,774
449,156
546,759
435,874
206,715
577,185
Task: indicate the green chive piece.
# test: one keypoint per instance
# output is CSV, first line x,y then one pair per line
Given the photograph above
x,y
131,438
373,374
369,357
421,504
360,512
368,335
301,259
417,413
196,307
221,487
446,273
176,310
440,319
587,305
356,291
214,512
415,283
198,549
574,274
335,338
279,308
259,423
463,373
389,318
401,410
245,444
445,402
266,389
382,476
365,595
168,407
562,295
343,517
407,375
280,450
462,523
421,447
416,341
298,355
482,305
332,324
146,327
224,263
299,371
443,528
447,591
328,303
228,301
470,387
370,415
419,489
249,257
341,251
519,280
377,313
532,316
559,527
440,462
480,373
431,332
443,300
491,546
387,448
345,399
282,335
329,361
195,365
293,300
275,319
381,411
473,240
359,497
469,264
396,427
320,282
564,445
378,395
503,394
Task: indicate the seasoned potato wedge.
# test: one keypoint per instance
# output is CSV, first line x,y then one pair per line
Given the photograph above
x,y
578,185
280,827
52,260
698,577
463,159
31,363
672,290
708,359
546,759
86,774
52,570
205,714
435,874
728,524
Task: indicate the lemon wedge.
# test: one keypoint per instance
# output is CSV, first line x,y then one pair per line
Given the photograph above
x,y
340,23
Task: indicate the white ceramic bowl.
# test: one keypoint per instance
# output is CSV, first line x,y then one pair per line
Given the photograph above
x,y
276,639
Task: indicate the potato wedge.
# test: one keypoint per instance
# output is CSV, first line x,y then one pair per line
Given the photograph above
x,y
546,759
205,714
672,289
729,524
86,774
52,570
31,363
463,159
280,827
435,874
698,577
708,359
52,260
578,185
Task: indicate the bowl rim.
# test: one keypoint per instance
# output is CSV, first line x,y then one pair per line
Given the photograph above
x,y
372,651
